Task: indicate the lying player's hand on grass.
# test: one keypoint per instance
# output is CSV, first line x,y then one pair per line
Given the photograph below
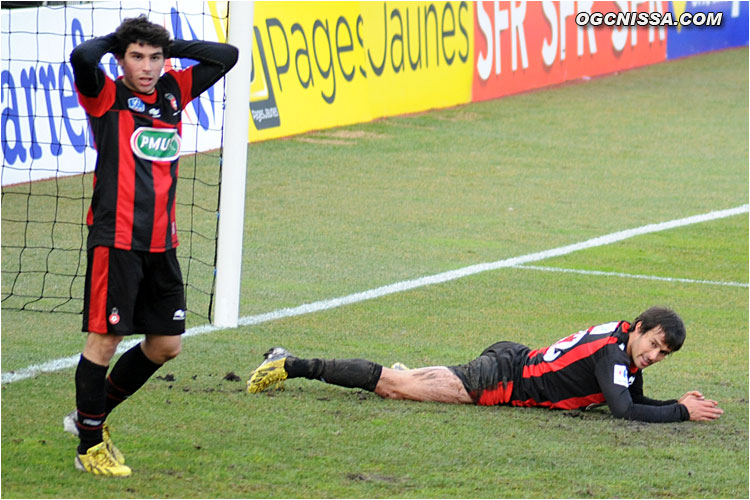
x,y
700,408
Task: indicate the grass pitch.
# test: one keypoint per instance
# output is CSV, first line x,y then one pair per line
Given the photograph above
x,y
347,210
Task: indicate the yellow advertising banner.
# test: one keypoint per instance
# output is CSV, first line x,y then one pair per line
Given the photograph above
x,y
419,55
318,65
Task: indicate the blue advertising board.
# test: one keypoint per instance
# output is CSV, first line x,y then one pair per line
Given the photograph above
x,y
689,40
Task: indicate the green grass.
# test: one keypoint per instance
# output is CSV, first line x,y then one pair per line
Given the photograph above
x,y
347,210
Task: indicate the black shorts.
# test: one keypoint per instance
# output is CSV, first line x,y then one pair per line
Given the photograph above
x,y
489,378
129,292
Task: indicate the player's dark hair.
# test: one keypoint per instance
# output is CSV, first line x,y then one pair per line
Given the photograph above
x,y
140,30
670,323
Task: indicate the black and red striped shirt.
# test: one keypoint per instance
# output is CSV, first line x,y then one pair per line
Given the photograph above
x,y
138,139
590,367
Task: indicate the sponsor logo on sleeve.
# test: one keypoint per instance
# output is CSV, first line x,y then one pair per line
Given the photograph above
x,y
621,375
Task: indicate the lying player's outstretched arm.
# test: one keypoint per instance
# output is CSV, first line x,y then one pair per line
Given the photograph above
x,y
628,402
698,407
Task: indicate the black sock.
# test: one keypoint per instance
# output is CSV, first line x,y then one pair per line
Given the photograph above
x,y
90,403
129,374
354,373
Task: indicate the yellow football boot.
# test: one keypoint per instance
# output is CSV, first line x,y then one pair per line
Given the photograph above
x,y
69,425
99,461
270,373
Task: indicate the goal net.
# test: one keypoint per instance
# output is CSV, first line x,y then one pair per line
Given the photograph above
x,y
49,157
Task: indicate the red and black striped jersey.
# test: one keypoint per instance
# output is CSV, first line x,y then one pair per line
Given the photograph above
x,y
138,139
587,368
138,142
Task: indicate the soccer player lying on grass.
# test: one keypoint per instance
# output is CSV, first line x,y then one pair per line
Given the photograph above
x,y
602,364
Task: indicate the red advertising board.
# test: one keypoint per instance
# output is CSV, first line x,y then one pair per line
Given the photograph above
x,y
526,45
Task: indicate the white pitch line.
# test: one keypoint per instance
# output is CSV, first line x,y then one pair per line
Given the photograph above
x,y
402,286
633,276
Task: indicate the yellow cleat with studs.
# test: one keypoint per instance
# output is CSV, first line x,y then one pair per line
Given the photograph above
x,y
271,373
98,460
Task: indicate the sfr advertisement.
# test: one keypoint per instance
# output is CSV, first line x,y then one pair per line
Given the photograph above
x,y
526,45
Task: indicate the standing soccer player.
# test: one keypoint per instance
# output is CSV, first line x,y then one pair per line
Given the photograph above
x,y
133,279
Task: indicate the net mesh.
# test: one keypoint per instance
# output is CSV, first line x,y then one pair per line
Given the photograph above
x,y
48,154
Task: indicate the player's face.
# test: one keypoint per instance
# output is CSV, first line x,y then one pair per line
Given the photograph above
x,y
141,66
647,348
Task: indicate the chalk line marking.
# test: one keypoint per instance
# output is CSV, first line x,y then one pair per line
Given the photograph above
x,y
633,276
401,286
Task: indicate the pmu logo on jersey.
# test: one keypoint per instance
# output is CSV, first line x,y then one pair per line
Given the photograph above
x,y
156,144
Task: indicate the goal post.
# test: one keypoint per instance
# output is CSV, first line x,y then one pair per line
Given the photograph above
x,y
234,168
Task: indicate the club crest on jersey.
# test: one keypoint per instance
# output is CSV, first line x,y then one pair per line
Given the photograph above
x,y
172,101
156,144
136,105
114,316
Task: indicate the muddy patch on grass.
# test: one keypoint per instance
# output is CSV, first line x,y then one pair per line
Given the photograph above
x,y
461,116
361,476
339,137
326,141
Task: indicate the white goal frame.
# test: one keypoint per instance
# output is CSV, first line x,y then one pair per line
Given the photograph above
x,y
234,168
